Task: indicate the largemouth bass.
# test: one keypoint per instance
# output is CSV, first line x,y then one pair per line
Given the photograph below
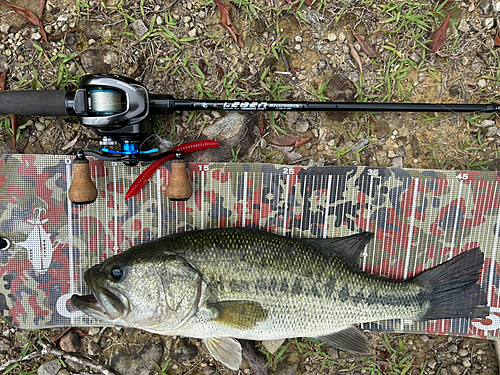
x,y
222,284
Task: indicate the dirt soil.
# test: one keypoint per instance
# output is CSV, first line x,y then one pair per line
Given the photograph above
x,y
301,52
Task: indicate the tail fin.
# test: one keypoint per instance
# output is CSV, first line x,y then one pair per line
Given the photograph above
x,y
453,288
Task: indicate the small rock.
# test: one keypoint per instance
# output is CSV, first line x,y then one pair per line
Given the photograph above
x,y
93,331
471,8
463,352
415,57
424,338
63,17
4,63
49,368
98,61
4,28
480,352
36,36
341,37
391,154
333,353
192,33
301,126
298,39
431,363
487,123
40,127
463,26
272,345
456,369
321,64
466,362
332,37
93,348
140,363
63,372
482,83
397,162
331,143
70,342
139,28
477,65
488,23
75,365
453,348
485,7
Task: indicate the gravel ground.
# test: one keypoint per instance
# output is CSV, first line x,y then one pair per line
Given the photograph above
x,y
289,53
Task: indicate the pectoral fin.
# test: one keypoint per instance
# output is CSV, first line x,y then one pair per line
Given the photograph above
x,y
350,339
226,350
242,315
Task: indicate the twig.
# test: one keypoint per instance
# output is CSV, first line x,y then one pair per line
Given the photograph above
x,y
28,357
51,350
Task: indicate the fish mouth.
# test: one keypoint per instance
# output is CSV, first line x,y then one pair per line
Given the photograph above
x,y
102,303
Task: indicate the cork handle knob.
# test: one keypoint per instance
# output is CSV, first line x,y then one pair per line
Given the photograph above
x,y
82,189
179,187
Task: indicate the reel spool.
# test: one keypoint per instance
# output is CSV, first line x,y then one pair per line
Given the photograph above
x,y
179,188
106,102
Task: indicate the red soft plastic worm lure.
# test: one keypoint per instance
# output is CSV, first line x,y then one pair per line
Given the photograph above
x,y
140,181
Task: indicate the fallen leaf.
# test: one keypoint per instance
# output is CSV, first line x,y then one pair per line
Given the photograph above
x,y
225,19
355,56
3,78
14,124
285,140
54,339
44,34
448,4
29,16
301,141
261,125
439,36
69,144
41,6
25,13
497,37
364,44
292,70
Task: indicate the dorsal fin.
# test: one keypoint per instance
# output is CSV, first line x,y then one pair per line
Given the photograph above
x,y
349,247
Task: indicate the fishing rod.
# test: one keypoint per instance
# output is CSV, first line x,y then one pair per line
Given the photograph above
x,y
117,109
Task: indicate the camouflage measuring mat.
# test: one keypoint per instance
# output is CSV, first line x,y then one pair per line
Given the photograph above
x,y
420,218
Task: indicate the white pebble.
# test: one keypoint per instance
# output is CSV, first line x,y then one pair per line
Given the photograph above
x,y
298,39
36,36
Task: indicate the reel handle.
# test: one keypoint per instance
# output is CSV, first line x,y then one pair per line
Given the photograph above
x,y
179,187
82,189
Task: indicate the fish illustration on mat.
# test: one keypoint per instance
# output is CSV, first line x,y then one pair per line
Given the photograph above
x,y
224,284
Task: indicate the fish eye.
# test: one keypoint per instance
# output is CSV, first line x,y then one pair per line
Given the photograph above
x,y
116,273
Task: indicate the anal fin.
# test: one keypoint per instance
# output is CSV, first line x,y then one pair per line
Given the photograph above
x,y
350,339
226,350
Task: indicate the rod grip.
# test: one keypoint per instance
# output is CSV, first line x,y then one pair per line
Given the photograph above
x,y
179,188
82,189
33,103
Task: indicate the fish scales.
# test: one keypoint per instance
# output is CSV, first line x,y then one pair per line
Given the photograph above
x,y
221,284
